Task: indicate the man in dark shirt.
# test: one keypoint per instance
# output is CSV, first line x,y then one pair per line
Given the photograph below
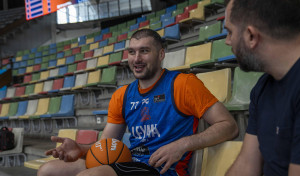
x,y
265,36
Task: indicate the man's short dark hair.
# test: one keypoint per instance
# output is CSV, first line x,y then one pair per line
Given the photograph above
x,y
159,42
278,18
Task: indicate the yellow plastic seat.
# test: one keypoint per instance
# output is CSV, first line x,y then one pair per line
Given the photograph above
x,y
29,69
74,45
38,87
66,133
196,14
19,58
61,61
42,107
94,78
44,75
108,49
161,32
103,61
90,40
218,159
5,109
195,54
94,46
218,83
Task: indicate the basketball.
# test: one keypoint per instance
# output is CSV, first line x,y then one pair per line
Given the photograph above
x,y
107,151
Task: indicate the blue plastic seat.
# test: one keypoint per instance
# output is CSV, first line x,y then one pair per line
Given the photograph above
x,y
2,93
119,46
105,31
171,8
168,21
52,51
100,112
38,60
52,63
134,27
16,65
69,82
70,59
165,16
22,108
38,54
23,64
25,57
172,32
98,38
141,19
62,70
21,71
66,107
53,45
33,50
60,55
103,43
82,40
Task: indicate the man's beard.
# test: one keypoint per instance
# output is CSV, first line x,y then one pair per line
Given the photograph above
x,y
247,59
148,74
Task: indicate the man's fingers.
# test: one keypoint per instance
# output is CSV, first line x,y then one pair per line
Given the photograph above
x,y
57,139
165,168
49,152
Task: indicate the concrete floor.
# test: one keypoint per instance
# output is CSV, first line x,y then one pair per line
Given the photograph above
x,y
17,171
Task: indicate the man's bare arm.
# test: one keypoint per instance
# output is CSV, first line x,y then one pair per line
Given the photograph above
x,y
249,162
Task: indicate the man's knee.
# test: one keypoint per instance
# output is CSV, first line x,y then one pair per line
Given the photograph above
x,y
46,169
104,170
58,167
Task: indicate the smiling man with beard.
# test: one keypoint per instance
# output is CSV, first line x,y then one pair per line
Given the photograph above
x,y
265,36
161,110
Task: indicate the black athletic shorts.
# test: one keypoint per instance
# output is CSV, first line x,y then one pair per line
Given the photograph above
x,y
134,168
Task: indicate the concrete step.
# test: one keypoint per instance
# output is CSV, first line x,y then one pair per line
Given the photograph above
x,y
35,148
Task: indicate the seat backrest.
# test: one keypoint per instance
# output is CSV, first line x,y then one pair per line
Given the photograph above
x,y
119,46
103,61
198,53
44,75
81,79
32,108
98,52
87,136
174,59
42,107
10,92
27,78
115,57
220,49
47,85
36,76
91,63
210,30
22,108
94,46
81,65
53,72
63,70
54,105
88,54
70,59
38,87
217,159
72,68
79,57
4,109
58,84
29,89
69,81
218,83
20,91
13,108
67,133
109,75
108,49
243,82
94,76
67,105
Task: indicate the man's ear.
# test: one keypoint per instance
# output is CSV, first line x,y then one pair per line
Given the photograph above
x,y
252,37
161,54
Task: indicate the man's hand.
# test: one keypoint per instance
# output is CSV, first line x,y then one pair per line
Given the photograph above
x,y
68,151
168,154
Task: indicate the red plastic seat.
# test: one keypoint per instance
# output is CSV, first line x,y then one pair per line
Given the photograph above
x,y
122,37
191,7
125,54
87,136
37,67
89,54
27,78
81,65
182,16
106,36
76,50
144,23
58,84
5,61
66,47
20,91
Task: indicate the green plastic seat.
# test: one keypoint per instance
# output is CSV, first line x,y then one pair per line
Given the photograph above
x,y
44,65
79,57
182,5
45,59
32,55
52,57
130,34
60,48
68,53
220,49
13,109
30,62
150,15
72,68
115,57
45,53
54,106
122,25
125,30
177,12
154,20
131,22
242,85
36,76
90,36
85,48
74,40
60,44
191,2
205,32
113,28
29,89
109,75
156,25
112,40
20,53
160,12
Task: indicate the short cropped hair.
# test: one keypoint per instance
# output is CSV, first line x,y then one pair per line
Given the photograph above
x,y
279,19
159,42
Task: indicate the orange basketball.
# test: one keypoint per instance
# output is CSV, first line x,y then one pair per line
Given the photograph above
x,y
107,151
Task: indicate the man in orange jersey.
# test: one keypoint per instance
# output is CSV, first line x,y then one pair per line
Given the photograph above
x,y
161,110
